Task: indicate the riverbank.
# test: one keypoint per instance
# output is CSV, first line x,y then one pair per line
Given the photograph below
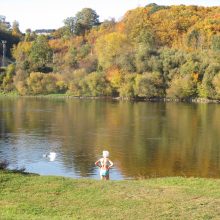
x,y
64,96
28,196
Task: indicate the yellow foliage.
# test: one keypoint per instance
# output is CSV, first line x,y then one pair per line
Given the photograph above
x,y
195,77
109,46
114,76
134,21
216,84
21,49
21,87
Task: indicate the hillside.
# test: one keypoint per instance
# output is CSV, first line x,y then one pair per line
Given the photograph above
x,y
153,52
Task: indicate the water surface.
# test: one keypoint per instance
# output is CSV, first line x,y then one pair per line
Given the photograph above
x,y
144,139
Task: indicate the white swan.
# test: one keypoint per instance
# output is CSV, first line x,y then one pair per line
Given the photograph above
x,y
51,156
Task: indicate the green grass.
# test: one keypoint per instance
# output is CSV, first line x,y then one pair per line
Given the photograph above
x,y
40,197
16,94
9,94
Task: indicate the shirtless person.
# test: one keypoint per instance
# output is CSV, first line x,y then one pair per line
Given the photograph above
x,y
104,164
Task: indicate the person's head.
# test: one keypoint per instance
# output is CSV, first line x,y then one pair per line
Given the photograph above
x,y
105,154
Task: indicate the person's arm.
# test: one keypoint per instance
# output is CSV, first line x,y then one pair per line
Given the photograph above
x,y
111,164
97,163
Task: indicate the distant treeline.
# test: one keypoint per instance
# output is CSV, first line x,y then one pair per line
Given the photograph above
x,y
153,52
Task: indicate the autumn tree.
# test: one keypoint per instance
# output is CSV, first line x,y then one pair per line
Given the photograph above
x,y
182,87
110,47
216,42
15,29
40,54
150,51
126,89
82,22
149,85
145,48
216,84
85,20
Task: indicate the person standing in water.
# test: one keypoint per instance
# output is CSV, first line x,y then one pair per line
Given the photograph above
x,y
104,164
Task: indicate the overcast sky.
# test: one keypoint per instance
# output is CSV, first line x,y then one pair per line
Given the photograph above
x,y
39,14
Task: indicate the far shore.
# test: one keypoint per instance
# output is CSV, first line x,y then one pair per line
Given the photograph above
x,y
142,99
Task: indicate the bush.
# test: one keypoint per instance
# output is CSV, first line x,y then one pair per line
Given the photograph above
x,y
21,87
149,85
8,85
182,87
74,82
97,84
41,83
49,83
4,164
126,89
34,83
207,89
7,79
216,84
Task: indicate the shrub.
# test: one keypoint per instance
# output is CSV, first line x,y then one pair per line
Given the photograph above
x,y
21,87
97,84
126,89
34,83
4,164
207,89
182,87
74,82
41,83
149,85
216,84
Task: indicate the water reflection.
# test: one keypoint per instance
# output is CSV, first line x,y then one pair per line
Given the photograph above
x,y
144,139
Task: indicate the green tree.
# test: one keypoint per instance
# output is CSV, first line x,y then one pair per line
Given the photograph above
x,y
29,35
126,89
182,87
70,25
208,86
4,25
97,84
216,84
40,54
82,22
216,42
145,49
149,85
15,29
7,84
171,61
194,39
85,20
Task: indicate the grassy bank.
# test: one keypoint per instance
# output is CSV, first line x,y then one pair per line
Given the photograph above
x,y
40,197
66,96
9,94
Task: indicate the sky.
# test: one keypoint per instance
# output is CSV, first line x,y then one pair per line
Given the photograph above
x,y
49,14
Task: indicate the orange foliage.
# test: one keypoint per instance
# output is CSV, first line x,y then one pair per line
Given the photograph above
x,y
114,76
120,27
58,45
134,22
195,77
21,49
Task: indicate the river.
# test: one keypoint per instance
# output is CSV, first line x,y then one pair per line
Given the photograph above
x,y
145,139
